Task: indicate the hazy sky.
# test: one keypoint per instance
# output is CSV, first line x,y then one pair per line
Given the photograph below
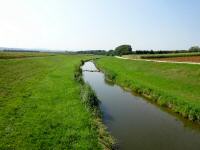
x,y
99,24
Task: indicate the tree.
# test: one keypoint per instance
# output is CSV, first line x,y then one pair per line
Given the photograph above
x,y
194,49
111,53
123,50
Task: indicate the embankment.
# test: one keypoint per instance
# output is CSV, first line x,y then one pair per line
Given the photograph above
x,y
175,86
90,100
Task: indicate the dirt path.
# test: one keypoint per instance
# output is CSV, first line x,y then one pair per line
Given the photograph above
x,y
160,61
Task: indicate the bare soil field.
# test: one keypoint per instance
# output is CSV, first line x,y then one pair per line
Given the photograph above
x,y
181,59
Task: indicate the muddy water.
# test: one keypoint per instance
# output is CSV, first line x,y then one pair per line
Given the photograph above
x,y
138,124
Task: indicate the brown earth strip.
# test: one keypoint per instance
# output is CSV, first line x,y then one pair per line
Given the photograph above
x,y
181,59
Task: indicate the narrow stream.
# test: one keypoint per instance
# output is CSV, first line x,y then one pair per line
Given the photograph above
x,y
138,124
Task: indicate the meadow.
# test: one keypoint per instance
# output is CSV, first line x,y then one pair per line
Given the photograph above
x,y
41,106
10,55
176,86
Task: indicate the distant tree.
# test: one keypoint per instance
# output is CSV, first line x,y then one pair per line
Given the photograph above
x,y
111,53
123,50
94,52
194,49
151,52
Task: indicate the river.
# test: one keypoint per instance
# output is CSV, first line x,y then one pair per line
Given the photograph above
x,y
138,124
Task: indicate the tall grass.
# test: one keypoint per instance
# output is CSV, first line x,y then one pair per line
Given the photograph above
x,y
90,100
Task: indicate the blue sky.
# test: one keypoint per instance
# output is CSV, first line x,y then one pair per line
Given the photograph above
x,y
99,24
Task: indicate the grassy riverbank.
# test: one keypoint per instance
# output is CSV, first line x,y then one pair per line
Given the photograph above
x,y
41,106
176,86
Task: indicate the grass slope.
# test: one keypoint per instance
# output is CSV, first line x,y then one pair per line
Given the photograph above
x,y
176,86
40,106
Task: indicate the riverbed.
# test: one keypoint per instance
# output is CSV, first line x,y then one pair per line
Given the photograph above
x,y
136,123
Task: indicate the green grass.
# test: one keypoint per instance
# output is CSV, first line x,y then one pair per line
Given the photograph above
x,y
41,106
11,55
149,56
176,86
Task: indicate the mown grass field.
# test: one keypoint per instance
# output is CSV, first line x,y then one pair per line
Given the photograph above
x,y
40,105
176,86
11,55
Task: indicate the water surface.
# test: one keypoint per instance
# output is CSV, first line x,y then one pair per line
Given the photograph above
x,y
138,124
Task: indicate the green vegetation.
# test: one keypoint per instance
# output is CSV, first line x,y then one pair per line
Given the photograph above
x,y
127,50
120,50
94,52
123,50
42,105
11,55
149,56
176,86
194,49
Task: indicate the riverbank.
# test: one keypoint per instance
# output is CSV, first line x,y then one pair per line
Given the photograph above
x,y
41,105
92,103
132,119
175,86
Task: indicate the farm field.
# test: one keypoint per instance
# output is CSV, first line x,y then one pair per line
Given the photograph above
x,y
176,86
162,56
181,59
40,105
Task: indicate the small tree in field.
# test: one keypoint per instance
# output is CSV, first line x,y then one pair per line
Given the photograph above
x,y
194,49
123,50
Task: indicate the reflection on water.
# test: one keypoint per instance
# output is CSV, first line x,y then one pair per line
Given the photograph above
x,y
138,124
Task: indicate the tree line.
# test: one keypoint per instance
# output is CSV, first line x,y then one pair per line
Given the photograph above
x,y
127,49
